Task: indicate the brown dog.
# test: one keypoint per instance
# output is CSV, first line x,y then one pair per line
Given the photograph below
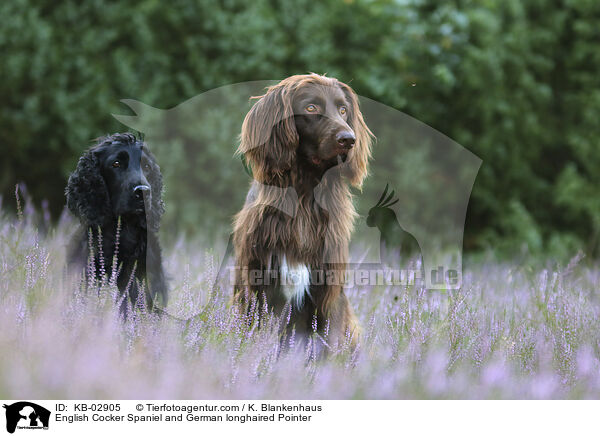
x,y
305,141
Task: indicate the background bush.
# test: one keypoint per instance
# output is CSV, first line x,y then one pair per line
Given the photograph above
x,y
514,82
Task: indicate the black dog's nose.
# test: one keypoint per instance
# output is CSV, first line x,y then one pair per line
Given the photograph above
x,y
346,139
139,191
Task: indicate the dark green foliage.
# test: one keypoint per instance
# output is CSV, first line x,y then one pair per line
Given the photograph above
x,y
515,82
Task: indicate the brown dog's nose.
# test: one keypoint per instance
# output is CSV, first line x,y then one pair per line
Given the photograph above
x,y
346,139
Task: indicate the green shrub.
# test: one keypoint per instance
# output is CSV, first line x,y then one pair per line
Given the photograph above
x,y
514,82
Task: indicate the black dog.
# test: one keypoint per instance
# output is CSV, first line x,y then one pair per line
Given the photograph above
x,y
116,192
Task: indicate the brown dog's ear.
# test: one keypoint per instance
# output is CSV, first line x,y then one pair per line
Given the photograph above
x,y
269,138
361,152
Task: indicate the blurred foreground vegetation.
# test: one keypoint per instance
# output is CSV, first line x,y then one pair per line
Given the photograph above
x,y
512,332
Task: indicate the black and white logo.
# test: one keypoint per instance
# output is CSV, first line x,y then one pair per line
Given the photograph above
x,y
26,415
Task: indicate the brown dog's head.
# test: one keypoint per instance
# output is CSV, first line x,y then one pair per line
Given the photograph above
x,y
311,120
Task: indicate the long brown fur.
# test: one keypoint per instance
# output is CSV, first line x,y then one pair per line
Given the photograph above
x,y
291,212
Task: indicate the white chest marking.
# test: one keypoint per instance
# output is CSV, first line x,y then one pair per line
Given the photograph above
x,y
295,282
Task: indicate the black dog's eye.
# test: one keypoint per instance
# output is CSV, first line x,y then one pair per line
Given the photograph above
x,y
147,166
311,108
343,110
116,164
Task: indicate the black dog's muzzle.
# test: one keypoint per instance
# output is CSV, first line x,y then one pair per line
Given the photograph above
x,y
141,191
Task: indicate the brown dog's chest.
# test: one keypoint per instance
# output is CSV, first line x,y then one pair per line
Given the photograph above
x,y
311,227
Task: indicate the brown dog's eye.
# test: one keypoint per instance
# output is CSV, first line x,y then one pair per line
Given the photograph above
x,y
311,108
343,110
116,164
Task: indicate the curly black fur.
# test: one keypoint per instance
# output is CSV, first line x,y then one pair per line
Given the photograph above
x,y
116,192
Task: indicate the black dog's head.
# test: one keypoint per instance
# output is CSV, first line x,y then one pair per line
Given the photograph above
x,y
117,177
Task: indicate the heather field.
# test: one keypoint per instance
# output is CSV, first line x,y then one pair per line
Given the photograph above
x,y
515,330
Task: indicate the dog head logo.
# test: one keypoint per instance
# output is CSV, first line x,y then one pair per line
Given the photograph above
x,y
26,415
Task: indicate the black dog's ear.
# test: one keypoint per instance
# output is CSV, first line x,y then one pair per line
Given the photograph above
x,y
86,191
157,209
269,138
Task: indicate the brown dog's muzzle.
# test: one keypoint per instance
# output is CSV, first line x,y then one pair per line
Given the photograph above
x,y
345,139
